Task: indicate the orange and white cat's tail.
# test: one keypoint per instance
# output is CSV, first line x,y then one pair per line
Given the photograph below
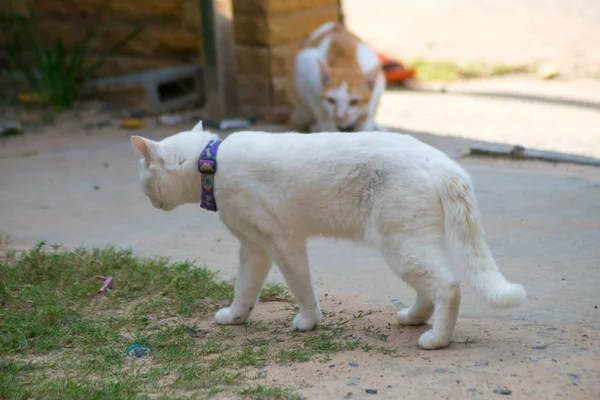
x,y
466,241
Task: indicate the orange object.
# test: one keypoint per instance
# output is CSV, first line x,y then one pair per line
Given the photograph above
x,y
394,71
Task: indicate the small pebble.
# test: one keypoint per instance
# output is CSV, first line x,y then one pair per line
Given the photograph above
x,y
132,123
389,386
353,364
506,392
96,187
105,164
371,391
539,347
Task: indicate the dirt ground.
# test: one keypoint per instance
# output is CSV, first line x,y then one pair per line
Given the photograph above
x,y
542,220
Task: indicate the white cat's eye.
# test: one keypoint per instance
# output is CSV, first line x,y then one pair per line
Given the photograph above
x,y
331,100
353,102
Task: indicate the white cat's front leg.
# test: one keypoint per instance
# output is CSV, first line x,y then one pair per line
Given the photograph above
x,y
253,270
292,260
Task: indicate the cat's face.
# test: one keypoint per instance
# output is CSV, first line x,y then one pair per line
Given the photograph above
x,y
168,168
346,95
158,173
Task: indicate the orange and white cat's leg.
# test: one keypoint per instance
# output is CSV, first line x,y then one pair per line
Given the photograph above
x,y
324,121
301,119
253,270
290,256
378,89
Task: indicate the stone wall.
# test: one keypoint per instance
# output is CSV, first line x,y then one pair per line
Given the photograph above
x,y
267,34
171,35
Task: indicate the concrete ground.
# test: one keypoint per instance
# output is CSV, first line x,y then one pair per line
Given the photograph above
x,y
562,33
542,220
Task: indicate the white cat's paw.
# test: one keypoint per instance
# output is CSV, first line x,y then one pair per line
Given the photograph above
x,y
405,318
226,316
307,321
431,340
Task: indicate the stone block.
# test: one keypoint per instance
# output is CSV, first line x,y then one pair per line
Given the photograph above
x,y
276,114
119,65
144,10
254,90
155,42
298,26
72,8
274,7
252,60
279,96
250,29
192,17
282,56
281,29
152,42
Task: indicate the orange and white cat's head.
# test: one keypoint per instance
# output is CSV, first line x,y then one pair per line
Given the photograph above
x,y
168,169
346,94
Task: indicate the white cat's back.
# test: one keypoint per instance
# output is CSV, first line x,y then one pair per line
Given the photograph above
x,y
333,147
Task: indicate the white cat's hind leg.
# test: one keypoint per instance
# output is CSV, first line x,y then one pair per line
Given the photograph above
x,y
419,313
253,270
422,263
292,260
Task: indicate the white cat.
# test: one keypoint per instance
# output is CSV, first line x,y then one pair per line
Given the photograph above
x,y
275,191
335,82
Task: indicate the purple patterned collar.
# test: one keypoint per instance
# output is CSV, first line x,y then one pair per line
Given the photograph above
x,y
207,165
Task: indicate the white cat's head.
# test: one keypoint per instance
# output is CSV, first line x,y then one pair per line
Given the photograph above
x,y
346,94
168,169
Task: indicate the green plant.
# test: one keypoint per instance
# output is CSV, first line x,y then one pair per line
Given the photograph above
x,y
58,73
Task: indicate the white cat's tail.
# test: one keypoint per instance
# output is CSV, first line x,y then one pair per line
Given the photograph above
x,y
466,240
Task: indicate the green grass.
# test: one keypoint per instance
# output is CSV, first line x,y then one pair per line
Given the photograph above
x,y
447,71
275,292
60,338
266,393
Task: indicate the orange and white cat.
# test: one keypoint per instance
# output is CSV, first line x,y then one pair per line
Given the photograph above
x,y
335,82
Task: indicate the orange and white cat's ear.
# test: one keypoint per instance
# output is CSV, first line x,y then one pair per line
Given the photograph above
x,y
325,74
372,75
198,127
146,147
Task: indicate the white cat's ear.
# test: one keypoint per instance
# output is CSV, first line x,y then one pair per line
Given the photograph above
x,y
198,127
146,147
371,76
325,75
